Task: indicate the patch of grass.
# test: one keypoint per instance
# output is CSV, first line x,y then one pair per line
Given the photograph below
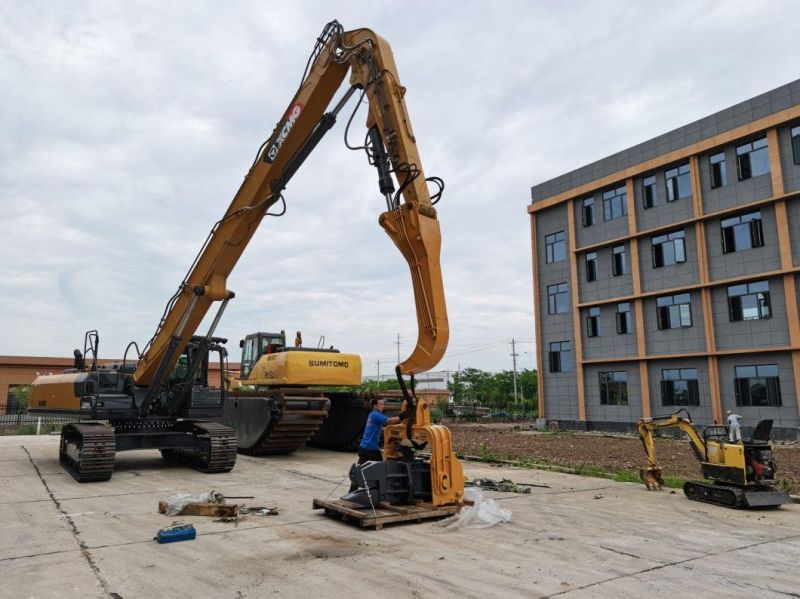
x,y
625,476
487,456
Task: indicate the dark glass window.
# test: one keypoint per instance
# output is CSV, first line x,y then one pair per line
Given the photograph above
x,y
591,266
796,144
752,159
674,311
615,203
742,232
719,170
649,195
557,298
668,249
619,265
593,322
614,388
679,387
624,324
587,212
758,386
749,301
560,356
556,247
679,183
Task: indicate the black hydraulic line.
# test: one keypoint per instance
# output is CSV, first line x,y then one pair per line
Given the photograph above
x,y
295,162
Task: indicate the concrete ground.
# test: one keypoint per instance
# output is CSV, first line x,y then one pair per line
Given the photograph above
x,y
581,537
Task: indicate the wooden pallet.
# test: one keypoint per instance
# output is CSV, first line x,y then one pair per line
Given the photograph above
x,y
383,514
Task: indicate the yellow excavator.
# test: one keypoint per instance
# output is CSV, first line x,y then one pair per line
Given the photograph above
x,y
163,400
738,475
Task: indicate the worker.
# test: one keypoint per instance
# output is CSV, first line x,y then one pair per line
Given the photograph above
x,y
734,427
369,450
298,341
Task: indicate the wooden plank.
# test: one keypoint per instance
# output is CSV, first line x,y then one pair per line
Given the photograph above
x,y
220,510
386,514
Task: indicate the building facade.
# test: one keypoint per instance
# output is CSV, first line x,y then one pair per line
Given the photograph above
x,y
665,275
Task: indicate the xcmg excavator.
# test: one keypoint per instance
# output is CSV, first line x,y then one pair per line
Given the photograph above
x,y
163,400
738,475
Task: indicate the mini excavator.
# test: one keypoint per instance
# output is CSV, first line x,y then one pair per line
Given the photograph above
x,y
163,400
739,475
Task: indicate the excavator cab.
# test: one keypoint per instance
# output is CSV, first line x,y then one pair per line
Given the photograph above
x,y
256,345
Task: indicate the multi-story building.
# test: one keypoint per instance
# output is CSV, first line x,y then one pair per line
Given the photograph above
x,y
665,275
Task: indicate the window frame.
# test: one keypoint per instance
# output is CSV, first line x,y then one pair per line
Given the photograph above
x,y
615,203
553,298
649,192
752,220
623,319
794,139
678,180
613,387
658,244
593,321
674,305
619,266
763,301
721,172
744,158
743,385
552,242
559,357
684,376
591,266
588,203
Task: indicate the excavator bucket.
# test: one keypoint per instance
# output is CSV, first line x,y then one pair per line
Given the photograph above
x,y
651,477
419,239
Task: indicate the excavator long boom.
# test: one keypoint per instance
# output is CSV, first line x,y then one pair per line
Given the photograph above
x,y
410,218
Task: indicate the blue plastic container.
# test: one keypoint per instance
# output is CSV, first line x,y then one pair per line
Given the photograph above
x,y
173,535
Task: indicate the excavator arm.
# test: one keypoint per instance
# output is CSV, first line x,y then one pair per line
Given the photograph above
x,y
409,219
651,476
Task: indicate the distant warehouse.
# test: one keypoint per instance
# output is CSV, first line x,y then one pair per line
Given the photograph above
x,y
665,275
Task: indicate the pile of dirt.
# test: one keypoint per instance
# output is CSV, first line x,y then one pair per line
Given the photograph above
x,y
610,453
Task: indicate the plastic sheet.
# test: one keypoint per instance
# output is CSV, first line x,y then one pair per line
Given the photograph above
x,y
177,502
483,513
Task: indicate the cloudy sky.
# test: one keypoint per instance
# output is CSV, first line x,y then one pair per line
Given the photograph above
x,y
126,128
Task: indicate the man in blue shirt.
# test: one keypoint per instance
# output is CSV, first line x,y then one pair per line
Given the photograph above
x,y
370,448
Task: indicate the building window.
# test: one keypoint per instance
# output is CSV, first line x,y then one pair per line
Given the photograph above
x,y
593,322
719,170
649,195
749,301
619,265
587,212
758,386
752,159
796,144
624,325
615,203
614,388
674,311
679,387
742,232
679,183
591,266
557,298
668,249
560,356
556,247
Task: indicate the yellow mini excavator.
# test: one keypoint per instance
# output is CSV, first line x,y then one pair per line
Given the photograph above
x,y
163,399
738,475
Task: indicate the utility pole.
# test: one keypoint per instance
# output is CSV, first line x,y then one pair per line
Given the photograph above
x,y
379,371
398,347
514,358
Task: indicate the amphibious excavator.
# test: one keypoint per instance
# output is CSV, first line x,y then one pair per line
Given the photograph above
x,y
738,475
155,403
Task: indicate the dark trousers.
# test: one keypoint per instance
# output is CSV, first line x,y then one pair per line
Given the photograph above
x,y
366,455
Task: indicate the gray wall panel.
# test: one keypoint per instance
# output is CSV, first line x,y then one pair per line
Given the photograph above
x,y
666,277
700,414
766,332
609,344
754,260
596,411
673,341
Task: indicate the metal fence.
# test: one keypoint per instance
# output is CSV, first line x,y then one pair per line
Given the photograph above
x,y
14,420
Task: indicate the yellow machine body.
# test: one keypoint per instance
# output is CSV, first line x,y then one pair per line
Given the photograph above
x,y
447,476
306,368
57,392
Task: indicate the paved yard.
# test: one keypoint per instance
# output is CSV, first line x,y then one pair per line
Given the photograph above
x,y
581,537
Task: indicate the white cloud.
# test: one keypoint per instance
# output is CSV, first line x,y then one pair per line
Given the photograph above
x,y
128,127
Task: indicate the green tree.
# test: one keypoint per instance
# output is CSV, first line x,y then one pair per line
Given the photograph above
x,y
18,396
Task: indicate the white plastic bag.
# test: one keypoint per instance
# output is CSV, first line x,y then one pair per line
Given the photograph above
x,y
483,512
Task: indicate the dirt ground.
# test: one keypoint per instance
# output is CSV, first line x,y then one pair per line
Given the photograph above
x,y
608,453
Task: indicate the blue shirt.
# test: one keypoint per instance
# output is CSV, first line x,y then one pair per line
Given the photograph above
x,y
372,432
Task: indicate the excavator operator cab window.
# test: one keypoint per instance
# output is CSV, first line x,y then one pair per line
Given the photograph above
x,y
271,344
248,356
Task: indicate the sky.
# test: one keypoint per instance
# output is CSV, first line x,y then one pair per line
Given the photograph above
x,y
126,129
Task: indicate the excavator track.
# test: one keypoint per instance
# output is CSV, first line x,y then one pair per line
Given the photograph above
x,y
87,451
296,416
734,497
215,452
